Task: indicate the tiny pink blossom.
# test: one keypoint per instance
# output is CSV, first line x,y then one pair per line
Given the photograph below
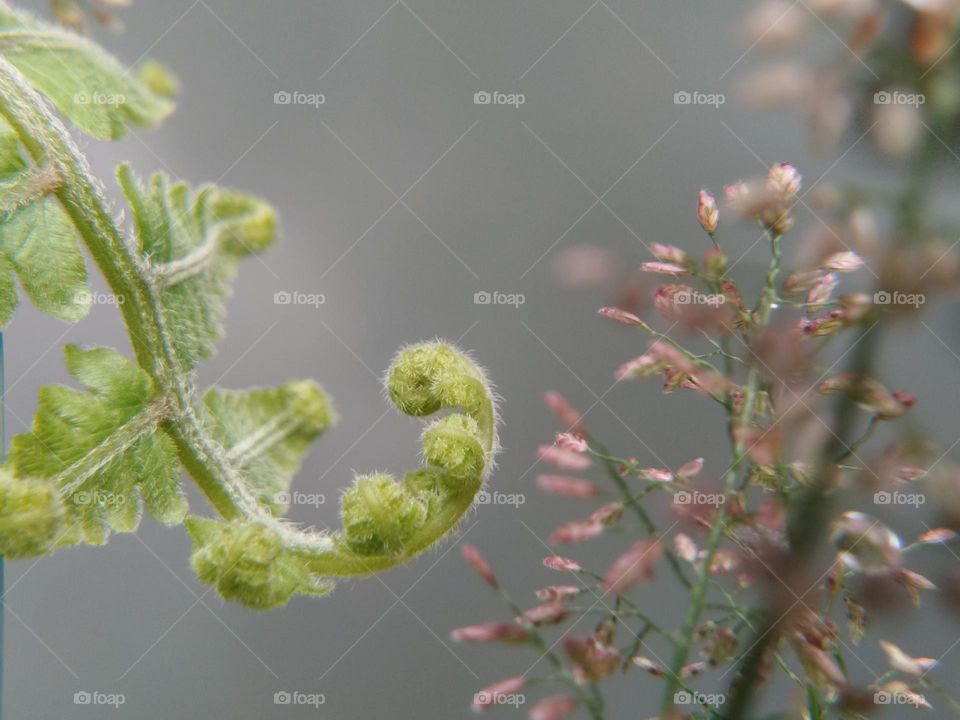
x,y
558,562
685,547
665,268
495,694
479,564
608,514
690,469
822,289
656,475
622,316
642,366
634,565
571,441
843,262
555,707
563,458
553,593
491,632
784,179
568,415
576,531
569,486
669,254
940,535
549,613
707,212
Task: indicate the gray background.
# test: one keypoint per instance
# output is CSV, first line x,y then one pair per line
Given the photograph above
x,y
494,190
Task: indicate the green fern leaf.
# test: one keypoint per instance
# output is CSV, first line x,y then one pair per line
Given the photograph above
x,y
194,246
102,448
86,84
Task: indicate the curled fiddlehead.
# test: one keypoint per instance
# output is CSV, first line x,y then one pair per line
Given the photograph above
x,y
95,459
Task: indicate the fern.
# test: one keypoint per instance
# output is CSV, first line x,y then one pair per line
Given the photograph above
x,y
96,458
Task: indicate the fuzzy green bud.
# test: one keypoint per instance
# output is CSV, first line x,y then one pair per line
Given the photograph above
x,y
31,514
451,443
423,378
379,515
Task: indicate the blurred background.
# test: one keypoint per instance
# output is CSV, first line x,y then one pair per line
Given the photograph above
x,y
400,199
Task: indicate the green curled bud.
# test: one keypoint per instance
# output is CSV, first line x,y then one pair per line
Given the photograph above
x,y
419,380
379,515
309,404
246,562
451,443
31,514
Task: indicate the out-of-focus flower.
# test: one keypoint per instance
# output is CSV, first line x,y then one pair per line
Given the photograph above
x,y
665,268
846,261
648,665
497,693
685,547
553,593
897,129
586,266
938,536
707,212
621,316
784,179
571,441
576,531
902,662
491,632
865,544
869,394
570,486
775,24
479,564
592,661
569,416
821,291
670,254
549,613
555,707
634,565
563,458
690,469
558,562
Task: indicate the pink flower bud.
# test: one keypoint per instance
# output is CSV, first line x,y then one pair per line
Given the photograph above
x,y
938,536
479,564
572,442
899,660
592,661
565,411
569,486
665,268
563,458
558,562
576,531
822,289
707,212
608,514
647,665
555,707
784,179
670,254
642,366
634,565
549,613
690,469
843,262
656,475
496,693
491,632
621,316
685,547
554,593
